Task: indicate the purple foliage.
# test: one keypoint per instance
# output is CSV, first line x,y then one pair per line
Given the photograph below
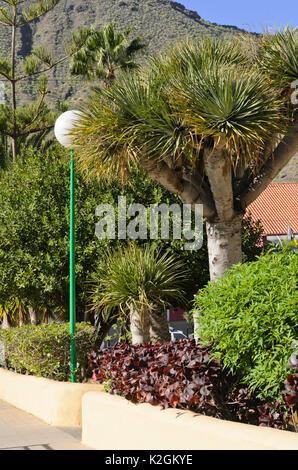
x,y
181,374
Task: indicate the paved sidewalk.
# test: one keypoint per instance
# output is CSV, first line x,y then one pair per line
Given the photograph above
x,y
22,431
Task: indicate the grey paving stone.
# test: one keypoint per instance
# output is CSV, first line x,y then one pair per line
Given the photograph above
x,y
22,431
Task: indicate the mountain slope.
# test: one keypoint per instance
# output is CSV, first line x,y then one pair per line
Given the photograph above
x,y
160,22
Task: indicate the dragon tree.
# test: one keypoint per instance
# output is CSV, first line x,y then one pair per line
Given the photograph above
x,y
214,121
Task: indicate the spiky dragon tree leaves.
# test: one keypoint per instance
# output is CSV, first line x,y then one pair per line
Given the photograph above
x,y
207,89
278,57
133,118
237,104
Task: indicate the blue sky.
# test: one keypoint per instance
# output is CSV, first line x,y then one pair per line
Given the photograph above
x,y
252,15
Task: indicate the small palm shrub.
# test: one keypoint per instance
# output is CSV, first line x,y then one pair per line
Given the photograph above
x,y
251,317
141,280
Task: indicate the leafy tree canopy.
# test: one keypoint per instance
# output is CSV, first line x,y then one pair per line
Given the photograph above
x,y
34,229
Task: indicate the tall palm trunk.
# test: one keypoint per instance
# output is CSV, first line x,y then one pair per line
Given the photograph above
x,y
224,227
159,327
224,249
139,325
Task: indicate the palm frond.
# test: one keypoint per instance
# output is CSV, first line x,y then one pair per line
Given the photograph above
x,y
103,52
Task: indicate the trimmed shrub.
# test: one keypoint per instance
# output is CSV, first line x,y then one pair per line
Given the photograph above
x,y
44,350
250,316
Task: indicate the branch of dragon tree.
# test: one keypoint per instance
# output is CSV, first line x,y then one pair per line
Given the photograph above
x,y
248,174
219,171
282,154
195,177
197,189
173,181
191,195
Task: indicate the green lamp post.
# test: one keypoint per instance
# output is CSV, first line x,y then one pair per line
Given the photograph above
x,y
62,129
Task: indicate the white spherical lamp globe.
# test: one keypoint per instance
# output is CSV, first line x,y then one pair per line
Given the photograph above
x,y
64,125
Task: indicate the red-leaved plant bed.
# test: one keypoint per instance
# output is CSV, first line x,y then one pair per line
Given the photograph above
x,y
180,374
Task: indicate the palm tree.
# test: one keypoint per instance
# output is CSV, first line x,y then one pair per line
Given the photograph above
x,y
104,53
211,121
142,281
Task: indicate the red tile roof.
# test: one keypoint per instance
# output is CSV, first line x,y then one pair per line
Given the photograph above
x,y
276,207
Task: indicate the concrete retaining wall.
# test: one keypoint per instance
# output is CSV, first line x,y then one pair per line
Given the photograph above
x,y
110,422
56,403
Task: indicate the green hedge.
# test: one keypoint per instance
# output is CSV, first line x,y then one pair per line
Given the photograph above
x,y
43,350
251,316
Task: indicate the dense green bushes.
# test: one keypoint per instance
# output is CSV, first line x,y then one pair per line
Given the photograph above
x,y
251,316
43,350
34,231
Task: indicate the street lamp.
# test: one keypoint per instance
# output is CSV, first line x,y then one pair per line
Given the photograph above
x,y
63,126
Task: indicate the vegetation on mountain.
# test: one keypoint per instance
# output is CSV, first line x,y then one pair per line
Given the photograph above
x,y
160,22
104,53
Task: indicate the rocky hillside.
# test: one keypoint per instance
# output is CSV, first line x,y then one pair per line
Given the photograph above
x,y
161,22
